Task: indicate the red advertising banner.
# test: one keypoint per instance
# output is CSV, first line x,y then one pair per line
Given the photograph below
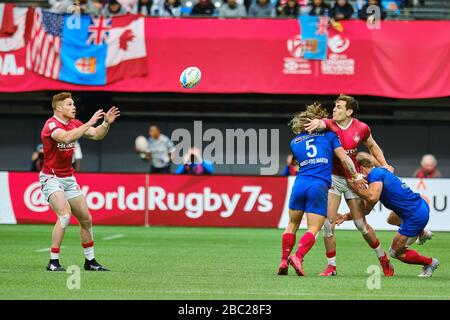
x,y
218,201
117,199
402,59
172,200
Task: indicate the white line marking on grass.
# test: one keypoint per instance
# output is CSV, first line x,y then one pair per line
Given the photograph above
x,y
45,249
114,236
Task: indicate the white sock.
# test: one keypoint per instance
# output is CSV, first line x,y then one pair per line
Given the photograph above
x,y
89,253
54,255
379,251
332,261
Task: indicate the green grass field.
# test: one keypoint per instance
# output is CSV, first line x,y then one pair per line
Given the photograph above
x,y
206,263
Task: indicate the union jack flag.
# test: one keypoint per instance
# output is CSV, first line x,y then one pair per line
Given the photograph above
x,y
99,30
322,27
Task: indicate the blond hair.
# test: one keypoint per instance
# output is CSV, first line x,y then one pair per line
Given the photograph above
x,y
60,97
313,111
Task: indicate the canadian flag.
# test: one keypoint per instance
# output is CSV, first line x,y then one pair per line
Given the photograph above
x,y
126,56
12,27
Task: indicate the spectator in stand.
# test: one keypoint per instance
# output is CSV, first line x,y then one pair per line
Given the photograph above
x,y
203,8
144,7
289,9
366,13
232,10
320,8
60,6
171,8
261,8
129,5
428,168
92,7
291,167
341,10
411,3
113,8
195,164
37,158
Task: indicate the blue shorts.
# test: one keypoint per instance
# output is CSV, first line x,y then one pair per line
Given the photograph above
x,y
309,195
414,224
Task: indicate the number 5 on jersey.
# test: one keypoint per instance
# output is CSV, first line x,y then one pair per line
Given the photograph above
x,y
311,153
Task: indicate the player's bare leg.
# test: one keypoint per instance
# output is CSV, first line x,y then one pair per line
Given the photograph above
x,y
81,212
395,220
288,239
359,219
62,209
328,234
399,250
315,223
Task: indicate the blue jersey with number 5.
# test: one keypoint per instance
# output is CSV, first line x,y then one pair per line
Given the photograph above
x,y
314,153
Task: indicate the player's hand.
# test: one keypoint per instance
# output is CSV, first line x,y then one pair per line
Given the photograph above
x,y
97,116
357,184
340,218
312,125
389,168
112,114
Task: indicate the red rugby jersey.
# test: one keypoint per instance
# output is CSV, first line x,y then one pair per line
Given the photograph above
x,y
58,156
351,137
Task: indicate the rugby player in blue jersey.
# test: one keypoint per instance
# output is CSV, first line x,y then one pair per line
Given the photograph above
x,y
395,195
314,154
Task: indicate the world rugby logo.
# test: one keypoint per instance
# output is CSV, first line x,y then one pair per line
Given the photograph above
x,y
295,46
337,44
34,198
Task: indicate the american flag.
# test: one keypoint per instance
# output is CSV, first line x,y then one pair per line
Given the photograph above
x,y
44,47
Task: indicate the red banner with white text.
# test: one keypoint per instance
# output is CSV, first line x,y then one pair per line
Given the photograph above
x,y
171,200
402,59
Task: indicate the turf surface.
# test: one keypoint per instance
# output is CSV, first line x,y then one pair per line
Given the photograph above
x,y
206,263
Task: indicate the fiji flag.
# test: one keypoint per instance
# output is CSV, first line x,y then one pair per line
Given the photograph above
x,y
314,33
83,50
87,50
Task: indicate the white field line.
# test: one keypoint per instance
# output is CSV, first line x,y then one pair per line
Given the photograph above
x,y
114,236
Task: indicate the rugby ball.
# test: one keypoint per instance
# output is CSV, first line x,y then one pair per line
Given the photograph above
x,y
141,144
190,77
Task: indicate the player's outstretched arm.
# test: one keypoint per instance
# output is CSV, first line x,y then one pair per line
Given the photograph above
x,y
66,137
315,125
371,194
376,151
348,164
99,132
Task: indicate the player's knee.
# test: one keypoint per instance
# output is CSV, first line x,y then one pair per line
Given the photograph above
x,y
86,222
327,229
64,220
361,225
391,219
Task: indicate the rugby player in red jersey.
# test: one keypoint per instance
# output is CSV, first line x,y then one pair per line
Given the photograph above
x,y
58,184
351,133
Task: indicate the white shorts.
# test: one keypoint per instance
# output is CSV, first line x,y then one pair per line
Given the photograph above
x,y
339,186
51,184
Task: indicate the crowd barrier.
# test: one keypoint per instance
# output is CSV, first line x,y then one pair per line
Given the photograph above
x,y
182,200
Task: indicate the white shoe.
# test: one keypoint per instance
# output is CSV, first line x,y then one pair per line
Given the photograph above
x,y
427,235
428,270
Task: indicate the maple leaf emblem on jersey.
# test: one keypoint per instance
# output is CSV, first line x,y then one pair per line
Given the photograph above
x,y
356,137
125,37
